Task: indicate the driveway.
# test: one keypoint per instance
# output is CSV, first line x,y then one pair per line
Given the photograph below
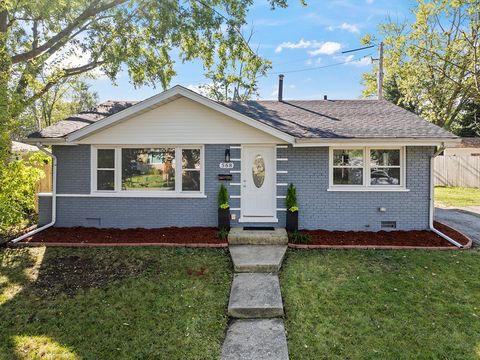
x,y
465,219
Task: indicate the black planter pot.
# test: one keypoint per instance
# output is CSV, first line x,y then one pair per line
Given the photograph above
x,y
224,219
292,221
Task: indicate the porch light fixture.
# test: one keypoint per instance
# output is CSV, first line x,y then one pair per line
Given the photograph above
x,y
227,155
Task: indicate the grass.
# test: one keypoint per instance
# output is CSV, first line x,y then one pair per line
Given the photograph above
x,y
113,303
457,196
382,304
148,181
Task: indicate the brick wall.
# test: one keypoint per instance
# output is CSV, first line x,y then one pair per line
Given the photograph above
x,y
307,169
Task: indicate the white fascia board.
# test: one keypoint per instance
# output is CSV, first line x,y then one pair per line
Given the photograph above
x,y
377,142
170,95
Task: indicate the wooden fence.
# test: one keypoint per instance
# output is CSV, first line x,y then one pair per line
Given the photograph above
x,y
44,185
461,171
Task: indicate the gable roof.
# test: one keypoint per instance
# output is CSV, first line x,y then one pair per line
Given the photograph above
x,y
287,120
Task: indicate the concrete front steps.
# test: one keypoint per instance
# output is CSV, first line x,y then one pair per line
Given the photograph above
x,y
255,339
257,258
255,295
238,236
257,331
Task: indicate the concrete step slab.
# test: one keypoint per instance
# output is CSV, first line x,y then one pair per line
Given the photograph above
x,y
255,295
255,339
257,258
238,236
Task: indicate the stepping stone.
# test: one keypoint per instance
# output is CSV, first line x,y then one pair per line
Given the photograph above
x,y
257,258
255,295
255,340
238,236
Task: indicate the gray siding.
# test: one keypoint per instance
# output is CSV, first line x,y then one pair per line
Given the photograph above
x,y
73,169
124,212
307,169
319,208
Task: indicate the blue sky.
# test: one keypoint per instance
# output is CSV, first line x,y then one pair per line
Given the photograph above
x,y
296,38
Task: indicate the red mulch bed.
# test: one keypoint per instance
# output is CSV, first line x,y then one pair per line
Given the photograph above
x,y
386,238
85,235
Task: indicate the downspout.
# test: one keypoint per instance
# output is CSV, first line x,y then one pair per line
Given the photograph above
x,y
54,198
432,205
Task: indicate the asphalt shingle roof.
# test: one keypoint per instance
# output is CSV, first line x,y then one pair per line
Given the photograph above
x,y
85,118
300,118
340,119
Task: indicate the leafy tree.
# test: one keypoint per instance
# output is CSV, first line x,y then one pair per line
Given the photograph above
x,y
17,192
69,96
431,64
239,81
145,36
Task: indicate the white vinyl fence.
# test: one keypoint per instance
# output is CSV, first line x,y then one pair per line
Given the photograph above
x,y
461,171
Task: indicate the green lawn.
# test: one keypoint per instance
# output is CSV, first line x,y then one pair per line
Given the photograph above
x,y
382,304
113,303
457,196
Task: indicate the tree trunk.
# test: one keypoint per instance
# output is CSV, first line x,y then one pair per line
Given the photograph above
x,y
5,70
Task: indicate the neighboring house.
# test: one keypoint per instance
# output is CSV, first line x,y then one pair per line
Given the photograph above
x,y
470,146
21,150
357,164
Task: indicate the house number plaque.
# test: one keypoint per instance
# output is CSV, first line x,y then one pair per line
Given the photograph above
x,y
226,165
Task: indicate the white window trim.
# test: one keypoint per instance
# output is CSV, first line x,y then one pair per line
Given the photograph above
x,y
366,170
118,192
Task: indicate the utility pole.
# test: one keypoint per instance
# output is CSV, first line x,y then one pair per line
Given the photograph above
x,y
380,72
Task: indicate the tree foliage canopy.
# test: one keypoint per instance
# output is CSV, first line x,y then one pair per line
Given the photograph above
x,y
432,64
145,36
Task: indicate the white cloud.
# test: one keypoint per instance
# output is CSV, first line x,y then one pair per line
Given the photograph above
x,y
327,48
201,89
350,60
302,44
345,26
365,61
349,27
369,1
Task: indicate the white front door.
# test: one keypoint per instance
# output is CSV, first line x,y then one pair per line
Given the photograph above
x,y
258,182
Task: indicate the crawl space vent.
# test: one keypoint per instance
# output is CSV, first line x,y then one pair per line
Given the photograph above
x,y
389,224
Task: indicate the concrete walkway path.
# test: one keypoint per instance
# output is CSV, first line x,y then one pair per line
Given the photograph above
x,y
257,330
464,219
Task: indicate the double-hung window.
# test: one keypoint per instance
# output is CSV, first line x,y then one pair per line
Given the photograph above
x,y
367,168
105,172
141,170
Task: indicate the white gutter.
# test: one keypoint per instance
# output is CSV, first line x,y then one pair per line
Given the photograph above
x,y
54,198
432,204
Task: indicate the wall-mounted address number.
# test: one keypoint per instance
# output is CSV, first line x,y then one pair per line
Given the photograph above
x,y
226,165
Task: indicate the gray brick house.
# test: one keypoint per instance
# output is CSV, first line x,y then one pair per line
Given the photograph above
x,y
357,164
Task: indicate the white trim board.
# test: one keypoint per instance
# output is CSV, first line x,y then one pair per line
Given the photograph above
x,y
132,194
376,142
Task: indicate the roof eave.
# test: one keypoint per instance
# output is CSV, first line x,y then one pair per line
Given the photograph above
x,y
406,141
45,141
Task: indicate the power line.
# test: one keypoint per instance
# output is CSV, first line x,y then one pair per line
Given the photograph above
x,y
319,67
358,49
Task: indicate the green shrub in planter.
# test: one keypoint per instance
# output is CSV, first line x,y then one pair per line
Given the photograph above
x,y
292,209
223,209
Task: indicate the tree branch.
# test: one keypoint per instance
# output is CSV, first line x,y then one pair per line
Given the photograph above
x,y
85,15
